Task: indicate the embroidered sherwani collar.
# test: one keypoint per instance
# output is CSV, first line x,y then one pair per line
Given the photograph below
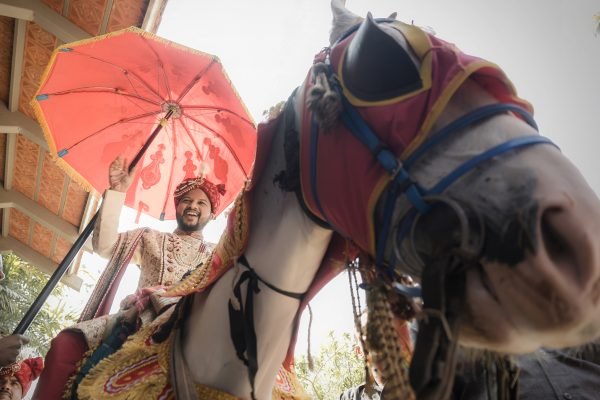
x,y
195,234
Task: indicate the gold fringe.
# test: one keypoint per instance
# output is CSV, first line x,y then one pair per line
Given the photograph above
x,y
39,115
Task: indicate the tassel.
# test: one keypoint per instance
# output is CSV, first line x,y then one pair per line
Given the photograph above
x,y
325,103
384,347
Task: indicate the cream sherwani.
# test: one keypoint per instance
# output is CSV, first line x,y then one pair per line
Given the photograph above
x,y
163,258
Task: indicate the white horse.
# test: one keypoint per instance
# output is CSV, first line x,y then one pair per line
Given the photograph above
x,y
547,296
535,281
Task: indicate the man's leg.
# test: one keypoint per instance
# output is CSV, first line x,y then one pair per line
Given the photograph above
x,y
66,349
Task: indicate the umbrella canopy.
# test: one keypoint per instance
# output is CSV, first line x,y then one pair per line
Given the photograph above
x,y
103,97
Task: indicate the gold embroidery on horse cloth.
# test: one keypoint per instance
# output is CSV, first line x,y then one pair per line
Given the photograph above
x,y
288,387
138,372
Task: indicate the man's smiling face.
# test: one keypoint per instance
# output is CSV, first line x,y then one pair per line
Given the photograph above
x,y
193,211
10,388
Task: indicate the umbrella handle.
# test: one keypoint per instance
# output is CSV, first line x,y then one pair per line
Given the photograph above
x,y
57,275
140,153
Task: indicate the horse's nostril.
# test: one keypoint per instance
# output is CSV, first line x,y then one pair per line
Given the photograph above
x,y
555,239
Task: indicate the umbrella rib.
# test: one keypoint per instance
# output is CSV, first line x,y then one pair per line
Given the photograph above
x,y
161,65
187,130
100,89
111,125
219,109
124,70
235,157
195,80
173,158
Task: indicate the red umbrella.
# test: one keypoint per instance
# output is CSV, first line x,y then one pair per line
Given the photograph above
x,y
105,96
132,93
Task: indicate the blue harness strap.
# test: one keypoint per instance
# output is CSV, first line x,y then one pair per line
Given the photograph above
x,y
401,180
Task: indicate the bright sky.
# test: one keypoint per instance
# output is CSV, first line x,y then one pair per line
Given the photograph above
x,y
548,49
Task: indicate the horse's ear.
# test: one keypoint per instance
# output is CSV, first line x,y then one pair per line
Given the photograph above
x,y
377,66
343,19
393,15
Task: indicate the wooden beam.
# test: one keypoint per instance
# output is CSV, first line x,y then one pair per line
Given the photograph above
x,y
63,195
9,169
16,9
17,122
17,64
14,199
9,160
88,211
44,16
106,16
74,268
5,222
152,15
52,242
44,264
38,176
65,10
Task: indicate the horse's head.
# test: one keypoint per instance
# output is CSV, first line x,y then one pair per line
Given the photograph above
x,y
427,153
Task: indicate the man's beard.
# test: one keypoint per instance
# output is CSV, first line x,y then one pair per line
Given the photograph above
x,y
198,226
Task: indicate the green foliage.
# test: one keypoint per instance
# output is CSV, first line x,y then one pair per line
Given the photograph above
x,y
337,367
18,291
273,111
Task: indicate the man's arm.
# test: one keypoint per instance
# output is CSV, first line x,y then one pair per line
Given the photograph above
x,y
107,225
106,230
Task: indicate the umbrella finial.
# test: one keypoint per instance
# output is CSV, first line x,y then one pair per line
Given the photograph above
x,y
173,108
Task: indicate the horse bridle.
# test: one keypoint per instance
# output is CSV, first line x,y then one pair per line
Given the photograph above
x,y
401,181
434,359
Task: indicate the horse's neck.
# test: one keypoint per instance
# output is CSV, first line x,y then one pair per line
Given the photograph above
x,y
285,247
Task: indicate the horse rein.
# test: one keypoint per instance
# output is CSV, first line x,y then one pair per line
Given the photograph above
x,y
241,318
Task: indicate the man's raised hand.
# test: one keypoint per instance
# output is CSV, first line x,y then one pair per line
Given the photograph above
x,y
118,175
